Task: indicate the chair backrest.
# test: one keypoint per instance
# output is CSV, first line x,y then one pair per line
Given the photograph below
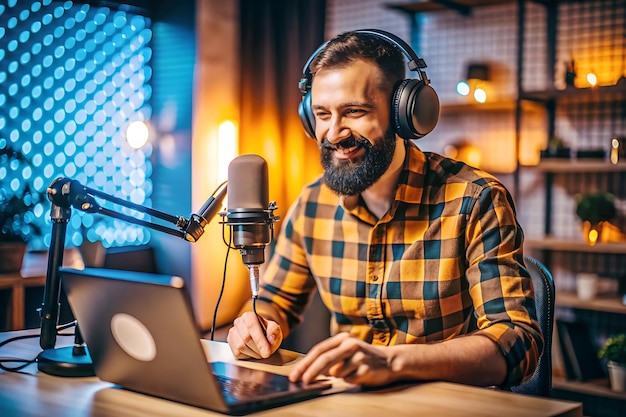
x,y
541,381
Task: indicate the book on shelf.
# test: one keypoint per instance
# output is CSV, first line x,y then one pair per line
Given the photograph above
x,y
580,357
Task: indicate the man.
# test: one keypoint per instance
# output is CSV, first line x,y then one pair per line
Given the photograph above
x,y
417,257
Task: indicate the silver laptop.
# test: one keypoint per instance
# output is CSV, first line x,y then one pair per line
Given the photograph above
x,y
141,334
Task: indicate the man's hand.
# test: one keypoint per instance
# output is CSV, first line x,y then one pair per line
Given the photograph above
x,y
344,356
247,339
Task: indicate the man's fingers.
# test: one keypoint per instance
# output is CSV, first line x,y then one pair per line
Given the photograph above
x,y
333,359
247,338
321,358
274,334
258,342
237,341
240,340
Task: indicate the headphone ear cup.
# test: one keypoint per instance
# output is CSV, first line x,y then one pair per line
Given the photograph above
x,y
415,108
306,115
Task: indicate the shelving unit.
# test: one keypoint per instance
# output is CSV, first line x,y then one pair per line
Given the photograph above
x,y
579,166
601,303
596,388
587,104
598,106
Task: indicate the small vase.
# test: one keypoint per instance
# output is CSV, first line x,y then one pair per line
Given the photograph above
x,y
617,376
592,232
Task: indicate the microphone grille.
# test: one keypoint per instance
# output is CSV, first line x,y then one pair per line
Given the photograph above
x,y
248,183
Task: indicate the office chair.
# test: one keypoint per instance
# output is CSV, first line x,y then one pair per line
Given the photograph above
x,y
541,381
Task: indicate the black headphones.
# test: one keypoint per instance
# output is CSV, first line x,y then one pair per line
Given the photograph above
x,y
414,106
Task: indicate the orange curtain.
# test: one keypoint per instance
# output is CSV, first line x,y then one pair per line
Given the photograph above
x,y
249,61
277,37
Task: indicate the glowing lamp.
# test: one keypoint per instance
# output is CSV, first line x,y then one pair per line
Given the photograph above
x,y
592,79
474,84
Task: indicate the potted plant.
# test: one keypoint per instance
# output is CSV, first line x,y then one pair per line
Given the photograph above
x,y
556,148
614,352
594,209
17,225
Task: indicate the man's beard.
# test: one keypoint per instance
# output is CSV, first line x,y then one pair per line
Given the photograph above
x,y
353,176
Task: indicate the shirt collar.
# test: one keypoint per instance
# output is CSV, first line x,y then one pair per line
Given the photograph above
x,y
410,186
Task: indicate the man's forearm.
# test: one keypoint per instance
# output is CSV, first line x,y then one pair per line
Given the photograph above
x,y
474,360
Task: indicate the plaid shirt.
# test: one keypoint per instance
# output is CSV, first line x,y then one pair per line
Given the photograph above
x,y
446,259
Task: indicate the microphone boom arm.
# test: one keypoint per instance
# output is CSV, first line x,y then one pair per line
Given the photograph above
x,y
81,197
64,194
152,212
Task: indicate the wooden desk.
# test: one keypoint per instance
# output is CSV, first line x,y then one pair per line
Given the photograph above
x,y
16,283
35,394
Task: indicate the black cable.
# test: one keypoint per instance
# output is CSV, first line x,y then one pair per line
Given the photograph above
x,y
66,326
26,362
261,322
228,244
219,297
13,339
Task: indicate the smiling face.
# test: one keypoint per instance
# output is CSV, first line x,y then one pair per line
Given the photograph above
x,y
351,105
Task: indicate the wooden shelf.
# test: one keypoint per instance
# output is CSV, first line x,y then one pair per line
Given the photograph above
x,y
563,245
575,166
598,388
600,303
578,95
464,7
504,105
501,105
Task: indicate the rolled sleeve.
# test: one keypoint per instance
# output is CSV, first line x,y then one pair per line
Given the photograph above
x,y
500,286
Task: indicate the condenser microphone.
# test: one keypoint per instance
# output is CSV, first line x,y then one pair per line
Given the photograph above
x,y
249,213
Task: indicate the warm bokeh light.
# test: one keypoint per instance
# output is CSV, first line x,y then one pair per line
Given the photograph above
x,y
137,134
592,232
227,147
615,145
465,152
480,95
592,79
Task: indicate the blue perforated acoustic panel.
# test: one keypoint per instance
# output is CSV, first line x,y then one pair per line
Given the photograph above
x,y
72,77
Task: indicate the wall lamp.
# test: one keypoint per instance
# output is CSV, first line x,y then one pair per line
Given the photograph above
x,y
474,84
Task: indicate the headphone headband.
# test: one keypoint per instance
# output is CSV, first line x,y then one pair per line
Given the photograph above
x,y
414,62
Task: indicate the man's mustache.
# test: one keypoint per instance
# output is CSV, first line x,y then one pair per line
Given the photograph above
x,y
346,143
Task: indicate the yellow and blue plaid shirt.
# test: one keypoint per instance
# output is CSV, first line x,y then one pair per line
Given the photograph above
x,y
444,260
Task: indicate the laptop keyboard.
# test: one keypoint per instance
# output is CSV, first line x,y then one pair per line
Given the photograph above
x,y
238,388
